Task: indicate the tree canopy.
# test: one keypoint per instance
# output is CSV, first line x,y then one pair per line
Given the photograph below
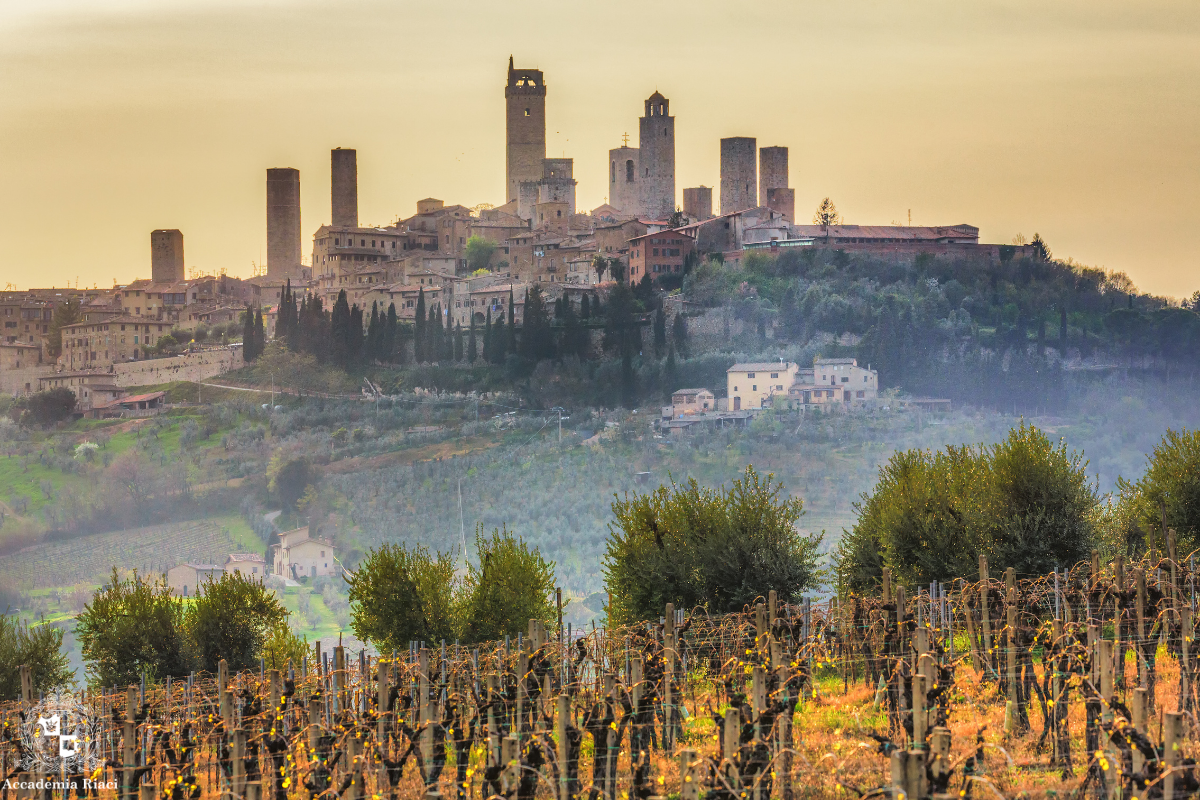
x,y
1025,503
40,648
510,585
716,548
400,595
1169,491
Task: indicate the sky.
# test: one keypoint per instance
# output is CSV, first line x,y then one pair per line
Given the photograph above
x,y
1075,119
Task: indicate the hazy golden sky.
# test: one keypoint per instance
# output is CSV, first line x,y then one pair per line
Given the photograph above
x,y
1079,120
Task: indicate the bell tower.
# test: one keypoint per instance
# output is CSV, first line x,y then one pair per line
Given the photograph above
x,y
525,96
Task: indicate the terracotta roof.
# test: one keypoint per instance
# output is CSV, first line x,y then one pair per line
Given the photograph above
x,y
762,366
244,557
137,398
913,233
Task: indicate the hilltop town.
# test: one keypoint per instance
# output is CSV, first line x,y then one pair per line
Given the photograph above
x,y
461,265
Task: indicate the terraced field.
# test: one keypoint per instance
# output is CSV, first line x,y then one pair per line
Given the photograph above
x,y
90,559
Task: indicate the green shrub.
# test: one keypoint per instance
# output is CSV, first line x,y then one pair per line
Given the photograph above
x,y
40,648
1024,503
1170,487
233,618
133,627
399,595
719,549
511,585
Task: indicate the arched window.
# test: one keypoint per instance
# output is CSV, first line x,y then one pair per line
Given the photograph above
x,y
629,171
613,176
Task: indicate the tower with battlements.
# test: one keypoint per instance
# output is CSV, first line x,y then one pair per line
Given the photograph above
x,y
525,101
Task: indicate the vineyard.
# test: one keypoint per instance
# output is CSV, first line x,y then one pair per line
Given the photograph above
x,y
1079,682
88,560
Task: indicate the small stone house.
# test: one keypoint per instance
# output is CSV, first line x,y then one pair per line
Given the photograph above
x,y
692,401
249,565
187,580
299,554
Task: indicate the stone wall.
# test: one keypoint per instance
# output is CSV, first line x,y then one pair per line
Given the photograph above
x,y
198,366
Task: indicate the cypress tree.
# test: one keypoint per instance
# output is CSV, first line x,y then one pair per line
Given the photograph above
x,y
499,341
339,328
472,352
585,308
510,343
248,334
281,315
488,341
390,338
571,339
670,375
436,344
458,342
419,329
374,334
354,335
660,331
260,332
679,334
628,382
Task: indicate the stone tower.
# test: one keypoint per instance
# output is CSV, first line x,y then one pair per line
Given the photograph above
x,y
739,178
697,203
525,98
283,223
656,142
166,256
773,190
345,187
624,188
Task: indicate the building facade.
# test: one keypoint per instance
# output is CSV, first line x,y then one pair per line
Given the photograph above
x,y
750,386
658,254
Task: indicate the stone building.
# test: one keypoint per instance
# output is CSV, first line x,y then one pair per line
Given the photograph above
x,y
525,114
751,385
300,554
697,203
834,380
739,176
187,580
773,190
556,185
248,565
283,224
656,144
166,256
344,187
624,188
658,254
95,344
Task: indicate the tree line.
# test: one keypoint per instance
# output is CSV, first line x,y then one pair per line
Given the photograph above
x,y
347,335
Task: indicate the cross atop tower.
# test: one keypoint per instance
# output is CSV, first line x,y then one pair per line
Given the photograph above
x,y
625,140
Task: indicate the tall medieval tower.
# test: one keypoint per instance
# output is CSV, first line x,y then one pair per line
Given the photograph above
x,y
656,141
525,96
